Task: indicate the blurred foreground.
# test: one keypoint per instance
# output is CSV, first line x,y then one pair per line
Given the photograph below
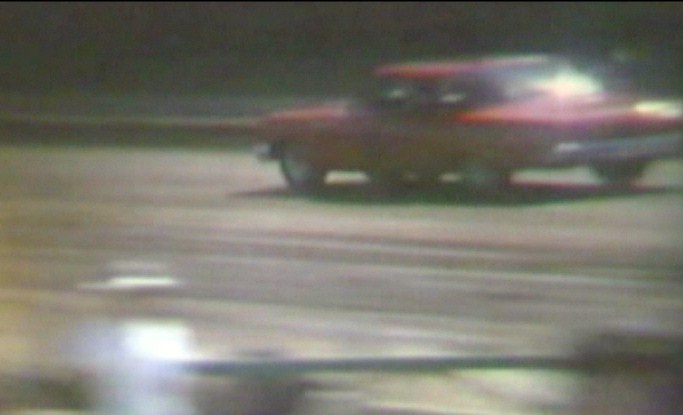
x,y
347,274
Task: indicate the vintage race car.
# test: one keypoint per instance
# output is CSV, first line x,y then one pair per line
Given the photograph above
x,y
481,119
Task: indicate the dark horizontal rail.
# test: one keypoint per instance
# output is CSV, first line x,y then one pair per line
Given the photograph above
x,y
230,125
390,364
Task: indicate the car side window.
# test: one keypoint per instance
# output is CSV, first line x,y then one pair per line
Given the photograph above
x,y
425,93
406,93
468,93
389,92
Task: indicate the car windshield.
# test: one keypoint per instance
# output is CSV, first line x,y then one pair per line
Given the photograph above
x,y
494,85
559,79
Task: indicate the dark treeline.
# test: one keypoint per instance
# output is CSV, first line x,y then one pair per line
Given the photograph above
x,y
234,45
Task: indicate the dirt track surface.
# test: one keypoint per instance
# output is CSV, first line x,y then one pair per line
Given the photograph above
x,y
347,272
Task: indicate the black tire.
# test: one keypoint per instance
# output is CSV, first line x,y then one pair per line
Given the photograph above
x,y
424,180
620,174
483,178
387,182
300,173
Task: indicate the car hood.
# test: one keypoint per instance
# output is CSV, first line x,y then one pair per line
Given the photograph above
x,y
584,111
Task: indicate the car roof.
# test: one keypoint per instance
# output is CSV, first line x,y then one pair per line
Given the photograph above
x,y
443,69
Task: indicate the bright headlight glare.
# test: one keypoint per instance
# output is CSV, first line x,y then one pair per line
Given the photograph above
x,y
568,84
662,108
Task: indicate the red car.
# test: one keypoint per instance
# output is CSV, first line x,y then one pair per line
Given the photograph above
x,y
482,119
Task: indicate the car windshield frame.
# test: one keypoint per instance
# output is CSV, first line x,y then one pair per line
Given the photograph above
x,y
485,86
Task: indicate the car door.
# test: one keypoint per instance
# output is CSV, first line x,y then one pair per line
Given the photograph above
x,y
407,126
458,141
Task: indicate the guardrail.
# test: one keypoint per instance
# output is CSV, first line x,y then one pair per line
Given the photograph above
x,y
622,373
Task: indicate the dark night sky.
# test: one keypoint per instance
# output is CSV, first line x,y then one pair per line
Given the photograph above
x,y
47,43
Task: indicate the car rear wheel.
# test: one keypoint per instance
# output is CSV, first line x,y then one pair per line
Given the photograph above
x,y
421,180
484,178
299,171
621,173
387,182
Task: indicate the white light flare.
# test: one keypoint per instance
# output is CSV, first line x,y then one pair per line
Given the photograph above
x,y
669,109
570,84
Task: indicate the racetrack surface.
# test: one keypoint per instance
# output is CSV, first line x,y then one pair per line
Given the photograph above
x,y
344,273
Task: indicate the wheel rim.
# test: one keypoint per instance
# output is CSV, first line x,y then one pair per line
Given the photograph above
x,y
300,173
620,174
480,176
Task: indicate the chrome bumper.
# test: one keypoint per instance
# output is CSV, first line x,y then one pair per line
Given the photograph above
x,y
631,148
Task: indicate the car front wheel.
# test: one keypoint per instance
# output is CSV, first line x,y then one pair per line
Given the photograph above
x,y
620,174
298,169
